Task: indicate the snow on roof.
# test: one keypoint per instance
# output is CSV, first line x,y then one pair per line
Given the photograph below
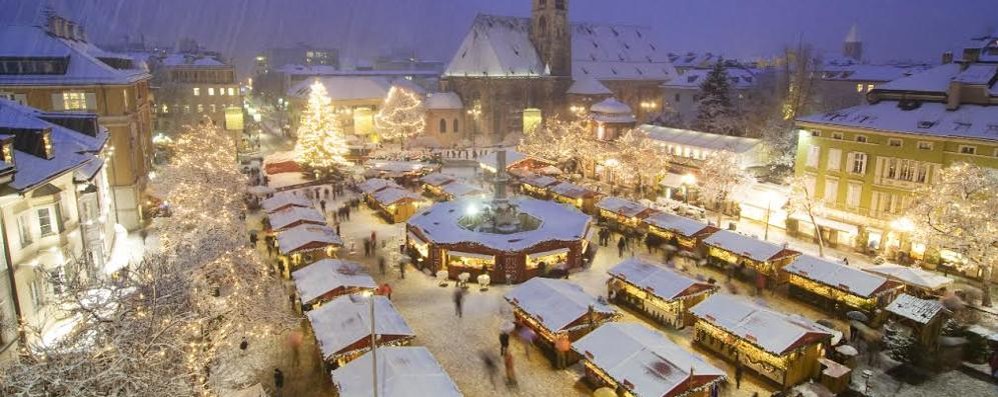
x,y
443,100
282,219
555,303
284,199
936,79
978,73
437,179
773,331
620,206
740,244
692,59
611,106
646,359
403,371
83,66
496,46
587,85
305,236
375,184
853,35
393,195
347,319
489,161
919,310
929,118
286,180
345,88
662,282
837,275
397,167
675,223
703,140
911,276
192,60
460,189
571,190
863,72
439,223
739,78
538,180
327,275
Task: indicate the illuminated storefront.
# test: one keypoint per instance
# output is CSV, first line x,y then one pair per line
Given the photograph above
x,y
660,293
686,233
838,287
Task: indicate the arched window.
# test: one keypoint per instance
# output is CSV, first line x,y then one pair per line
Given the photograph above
x,y
443,125
559,4
542,24
456,128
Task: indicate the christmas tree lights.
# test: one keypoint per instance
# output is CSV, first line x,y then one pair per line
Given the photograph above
x,y
402,116
321,144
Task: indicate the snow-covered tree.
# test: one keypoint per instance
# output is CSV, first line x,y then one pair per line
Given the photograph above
x,y
959,212
715,111
802,199
402,116
800,75
641,158
779,140
669,117
321,145
563,142
720,175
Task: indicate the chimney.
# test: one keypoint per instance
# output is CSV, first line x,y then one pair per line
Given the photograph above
x,y
953,95
85,123
55,26
947,57
70,30
35,141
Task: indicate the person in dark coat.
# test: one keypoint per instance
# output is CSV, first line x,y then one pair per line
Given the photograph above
x,y
278,380
738,376
503,343
620,247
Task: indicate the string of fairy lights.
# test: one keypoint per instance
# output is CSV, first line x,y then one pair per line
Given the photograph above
x,y
321,143
401,116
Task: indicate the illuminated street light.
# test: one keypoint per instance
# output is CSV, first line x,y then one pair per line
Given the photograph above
x,y
687,181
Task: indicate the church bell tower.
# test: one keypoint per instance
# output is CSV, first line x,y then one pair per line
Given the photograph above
x,y
551,34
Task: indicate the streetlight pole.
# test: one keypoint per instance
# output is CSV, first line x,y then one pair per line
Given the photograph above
x,y
769,209
374,348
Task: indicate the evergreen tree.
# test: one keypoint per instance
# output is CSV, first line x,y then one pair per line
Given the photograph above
x,y
320,144
716,113
402,116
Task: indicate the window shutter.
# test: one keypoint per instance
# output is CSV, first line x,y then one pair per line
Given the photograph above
x,y
57,103
850,159
91,101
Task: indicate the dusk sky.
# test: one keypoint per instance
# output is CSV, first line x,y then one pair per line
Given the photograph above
x,y
891,29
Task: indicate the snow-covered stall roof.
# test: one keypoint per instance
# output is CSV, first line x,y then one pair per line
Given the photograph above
x,y
555,303
460,189
287,180
703,140
326,275
919,310
676,224
538,180
928,119
307,236
490,163
646,360
403,371
375,184
83,59
911,276
283,200
345,88
611,106
282,219
393,195
772,331
439,223
662,282
571,190
746,246
623,207
437,179
394,167
837,275
587,85
347,319
444,101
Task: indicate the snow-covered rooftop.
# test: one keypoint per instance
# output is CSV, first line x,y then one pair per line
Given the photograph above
x,y
437,179
83,65
307,236
403,371
703,140
862,72
571,190
189,60
558,223
538,180
936,79
738,78
461,190
587,85
345,88
555,303
283,200
648,361
443,100
675,223
911,276
773,331
915,309
611,106
660,281
375,184
327,275
282,219
496,46
623,207
746,246
489,161
392,195
837,275
347,319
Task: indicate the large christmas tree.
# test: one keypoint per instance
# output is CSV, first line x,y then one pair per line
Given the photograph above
x,y
320,144
402,115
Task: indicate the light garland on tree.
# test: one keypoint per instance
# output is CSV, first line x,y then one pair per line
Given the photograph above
x,y
321,144
401,116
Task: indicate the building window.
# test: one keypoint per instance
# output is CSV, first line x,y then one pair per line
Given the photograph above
x,y
812,156
894,142
677,97
200,108
443,125
24,229
854,191
964,149
834,162
862,139
74,101
922,145
10,96
211,91
221,91
858,163
816,133
559,4
197,91
45,222
37,290
232,91
166,109
213,108
831,190
837,135
869,87
187,108
455,125
859,87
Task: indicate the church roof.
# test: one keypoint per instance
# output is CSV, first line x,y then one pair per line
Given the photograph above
x,y
496,46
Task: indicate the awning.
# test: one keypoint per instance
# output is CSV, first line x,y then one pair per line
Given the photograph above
x,y
672,180
471,255
548,253
823,222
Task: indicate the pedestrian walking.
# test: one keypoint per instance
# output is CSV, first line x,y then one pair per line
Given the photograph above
x,y
458,302
738,375
386,290
244,344
527,336
510,371
144,234
322,205
620,247
561,347
367,247
381,265
338,229
278,381
490,367
374,238
503,342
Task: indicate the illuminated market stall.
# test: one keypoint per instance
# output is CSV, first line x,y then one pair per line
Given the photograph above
x,y
537,185
515,162
328,279
575,195
641,362
294,216
403,371
623,214
342,327
304,244
727,249
461,190
369,187
659,292
917,282
433,183
395,204
284,200
783,348
685,233
919,318
835,286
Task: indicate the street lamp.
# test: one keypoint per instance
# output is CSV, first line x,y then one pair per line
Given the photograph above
x,y
475,112
770,196
374,343
687,181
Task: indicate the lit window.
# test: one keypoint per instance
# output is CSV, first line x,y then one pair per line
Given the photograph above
x,y
859,87
869,87
166,109
197,91
200,108
187,108
964,149
858,165
212,107
924,145
894,142
221,91
232,91
211,91
812,156
74,101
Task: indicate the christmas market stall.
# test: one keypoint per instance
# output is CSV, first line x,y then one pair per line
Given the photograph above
x,y
461,190
294,216
327,279
304,244
407,170
516,162
780,347
575,195
537,185
736,252
403,371
553,307
342,327
369,187
835,286
395,204
625,215
917,282
681,232
659,292
284,200
642,362
920,319
433,183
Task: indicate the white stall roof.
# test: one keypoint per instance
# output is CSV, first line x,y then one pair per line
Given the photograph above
x,y
620,206
437,179
375,184
327,275
663,282
459,189
773,331
676,223
836,275
587,85
299,236
403,371
919,310
284,199
571,190
911,275
538,180
749,247
703,140
489,161
646,359
280,220
393,195
347,319
555,303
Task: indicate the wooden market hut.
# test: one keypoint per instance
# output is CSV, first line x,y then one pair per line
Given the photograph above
x,y
922,318
553,307
395,204
342,327
578,196
460,190
625,215
515,162
727,249
433,183
294,216
328,279
304,244
643,362
403,371
284,200
687,233
370,186
780,347
537,185
657,291
918,282
840,288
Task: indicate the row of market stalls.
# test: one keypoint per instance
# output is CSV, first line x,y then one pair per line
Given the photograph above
x,y
299,232
392,201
